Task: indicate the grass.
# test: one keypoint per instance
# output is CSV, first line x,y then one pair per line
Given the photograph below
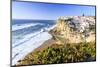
x,y
62,53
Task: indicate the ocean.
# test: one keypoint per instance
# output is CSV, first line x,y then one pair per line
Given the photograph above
x,y
28,35
21,28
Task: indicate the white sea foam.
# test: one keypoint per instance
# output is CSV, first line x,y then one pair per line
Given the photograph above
x,y
21,26
29,43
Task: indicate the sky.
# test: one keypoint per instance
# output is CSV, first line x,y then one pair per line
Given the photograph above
x,y
45,11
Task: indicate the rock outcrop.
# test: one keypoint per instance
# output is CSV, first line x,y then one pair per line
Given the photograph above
x,y
75,29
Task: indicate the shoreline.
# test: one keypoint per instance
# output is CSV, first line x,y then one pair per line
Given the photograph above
x,y
45,45
31,46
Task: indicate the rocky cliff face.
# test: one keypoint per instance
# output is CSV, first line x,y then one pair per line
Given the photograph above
x,y
75,29
78,23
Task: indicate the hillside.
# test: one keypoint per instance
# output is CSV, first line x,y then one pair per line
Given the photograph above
x,y
73,40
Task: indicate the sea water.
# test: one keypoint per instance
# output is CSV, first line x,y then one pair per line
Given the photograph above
x,y
28,35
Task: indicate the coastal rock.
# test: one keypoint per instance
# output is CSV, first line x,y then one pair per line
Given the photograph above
x,y
75,29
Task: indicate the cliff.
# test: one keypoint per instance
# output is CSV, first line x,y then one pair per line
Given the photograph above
x,y
74,29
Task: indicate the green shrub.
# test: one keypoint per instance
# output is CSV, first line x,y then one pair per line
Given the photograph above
x,y
64,54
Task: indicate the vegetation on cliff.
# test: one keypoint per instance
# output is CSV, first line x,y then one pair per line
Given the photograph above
x,y
59,53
